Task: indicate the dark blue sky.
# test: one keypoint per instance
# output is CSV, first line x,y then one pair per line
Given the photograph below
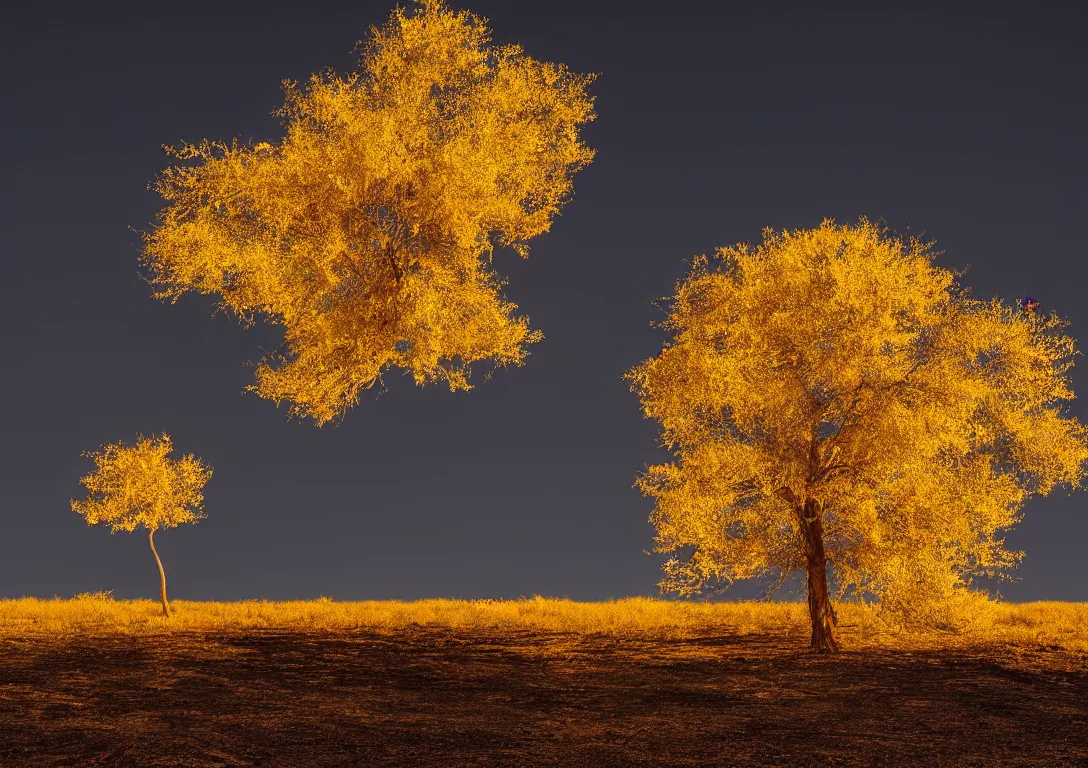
x,y
714,121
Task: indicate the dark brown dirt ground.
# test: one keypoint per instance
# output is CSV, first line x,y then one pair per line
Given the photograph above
x,y
424,697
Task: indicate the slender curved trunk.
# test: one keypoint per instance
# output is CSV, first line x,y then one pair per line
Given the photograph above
x,y
162,575
820,611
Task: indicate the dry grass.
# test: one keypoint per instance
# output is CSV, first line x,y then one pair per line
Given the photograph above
x,y
1055,625
640,683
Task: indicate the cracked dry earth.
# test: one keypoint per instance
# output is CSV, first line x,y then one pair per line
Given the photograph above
x,y
422,697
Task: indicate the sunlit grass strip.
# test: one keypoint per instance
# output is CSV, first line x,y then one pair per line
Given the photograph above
x,y
1064,625
536,614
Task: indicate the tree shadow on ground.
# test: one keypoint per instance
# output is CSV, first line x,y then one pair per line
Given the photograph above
x,y
488,698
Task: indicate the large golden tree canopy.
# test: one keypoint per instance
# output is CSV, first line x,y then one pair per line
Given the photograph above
x,y
367,232
143,485
838,374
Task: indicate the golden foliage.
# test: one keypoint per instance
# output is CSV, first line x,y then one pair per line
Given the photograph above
x,y
839,372
142,485
367,231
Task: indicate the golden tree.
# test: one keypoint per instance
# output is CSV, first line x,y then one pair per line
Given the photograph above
x,y
142,485
834,399
367,232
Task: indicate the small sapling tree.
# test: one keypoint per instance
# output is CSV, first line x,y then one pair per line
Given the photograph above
x,y
836,402
142,486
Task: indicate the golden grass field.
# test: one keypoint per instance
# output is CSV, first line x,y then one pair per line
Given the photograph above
x,y
1054,624
636,683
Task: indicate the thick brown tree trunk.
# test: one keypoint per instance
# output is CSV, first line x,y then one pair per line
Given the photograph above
x,y
162,575
819,603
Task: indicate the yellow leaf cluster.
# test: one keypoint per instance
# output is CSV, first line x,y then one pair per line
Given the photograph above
x,y
839,370
367,231
141,485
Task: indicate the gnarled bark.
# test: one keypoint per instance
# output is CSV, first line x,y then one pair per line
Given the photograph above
x,y
162,575
820,611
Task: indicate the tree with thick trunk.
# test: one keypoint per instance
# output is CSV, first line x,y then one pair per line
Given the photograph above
x,y
838,405
820,612
142,485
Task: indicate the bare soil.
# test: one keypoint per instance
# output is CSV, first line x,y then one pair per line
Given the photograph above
x,y
423,697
